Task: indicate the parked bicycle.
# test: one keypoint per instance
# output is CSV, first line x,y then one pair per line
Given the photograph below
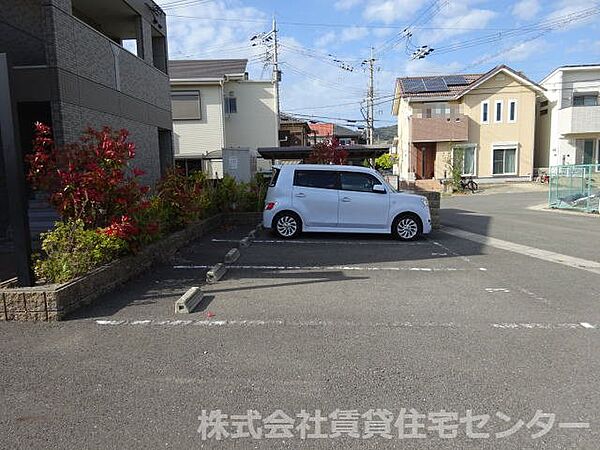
x,y
468,183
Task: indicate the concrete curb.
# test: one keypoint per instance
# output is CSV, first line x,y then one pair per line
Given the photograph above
x,y
188,301
232,256
216,273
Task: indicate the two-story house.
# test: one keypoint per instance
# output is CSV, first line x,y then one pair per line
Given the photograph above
x,y
568,129
490,117
80,63
216,106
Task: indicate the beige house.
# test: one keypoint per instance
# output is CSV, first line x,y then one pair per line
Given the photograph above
x,y
490,117
216,106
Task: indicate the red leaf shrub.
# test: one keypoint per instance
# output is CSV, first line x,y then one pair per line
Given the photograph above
x,y
328,152
91,180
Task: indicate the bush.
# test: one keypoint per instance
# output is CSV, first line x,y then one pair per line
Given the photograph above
x,y
71,251
385,162
179,199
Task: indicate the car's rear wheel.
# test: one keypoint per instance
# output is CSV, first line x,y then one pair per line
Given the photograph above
x,y
287,225
407,227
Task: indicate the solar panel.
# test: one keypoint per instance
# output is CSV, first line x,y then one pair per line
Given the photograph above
x,y
435,85
456,80
413,85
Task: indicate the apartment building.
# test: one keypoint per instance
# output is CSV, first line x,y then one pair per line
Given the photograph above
x,y
490,117
216,106
79,63
568,119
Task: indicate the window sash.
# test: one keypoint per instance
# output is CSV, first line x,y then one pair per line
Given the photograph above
x,y
186,105
498,111
485,112
512,111
504,161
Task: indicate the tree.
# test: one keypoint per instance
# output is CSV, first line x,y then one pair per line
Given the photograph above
x,y
328,152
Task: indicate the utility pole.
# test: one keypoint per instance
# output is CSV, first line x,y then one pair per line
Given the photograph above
x,y
276,71
371,98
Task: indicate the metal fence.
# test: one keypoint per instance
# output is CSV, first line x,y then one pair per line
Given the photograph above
x,y
575,187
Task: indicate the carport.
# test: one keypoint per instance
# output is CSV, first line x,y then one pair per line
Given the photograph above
x,y
300,153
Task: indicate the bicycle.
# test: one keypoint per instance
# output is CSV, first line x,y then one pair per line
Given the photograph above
x,y
468,183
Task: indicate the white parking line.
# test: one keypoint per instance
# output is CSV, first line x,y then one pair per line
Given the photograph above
x,y
545,255
324,242
354,268
331,323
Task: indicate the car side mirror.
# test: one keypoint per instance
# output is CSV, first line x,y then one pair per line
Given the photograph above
x,y
379,189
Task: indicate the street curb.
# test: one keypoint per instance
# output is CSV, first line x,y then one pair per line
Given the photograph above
x,y
188,301
216,273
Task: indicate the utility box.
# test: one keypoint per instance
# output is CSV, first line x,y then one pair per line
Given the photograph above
x,y
239,163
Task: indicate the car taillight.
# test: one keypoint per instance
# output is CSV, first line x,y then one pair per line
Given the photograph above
x,y
269,206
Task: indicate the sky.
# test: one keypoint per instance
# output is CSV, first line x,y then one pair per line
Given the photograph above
x,y
324,43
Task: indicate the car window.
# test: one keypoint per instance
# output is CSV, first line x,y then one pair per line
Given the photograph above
x,y
275,177
324,179
356,181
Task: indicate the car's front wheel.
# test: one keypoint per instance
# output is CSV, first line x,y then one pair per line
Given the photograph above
x,y
287,225
407,227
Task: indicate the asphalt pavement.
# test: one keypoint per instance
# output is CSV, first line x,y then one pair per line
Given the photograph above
x,y
402,342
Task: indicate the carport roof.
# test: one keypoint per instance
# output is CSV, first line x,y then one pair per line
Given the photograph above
x,y
302,151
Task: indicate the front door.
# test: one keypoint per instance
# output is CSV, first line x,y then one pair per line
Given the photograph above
x,y
426,161
360,207
315,197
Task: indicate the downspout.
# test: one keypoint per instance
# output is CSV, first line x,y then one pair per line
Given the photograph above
x,y
223,134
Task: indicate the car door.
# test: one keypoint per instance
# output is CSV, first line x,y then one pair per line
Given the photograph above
x,y
315,197
360,207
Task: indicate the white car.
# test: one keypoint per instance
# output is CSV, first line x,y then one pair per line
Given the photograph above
x,y
347,199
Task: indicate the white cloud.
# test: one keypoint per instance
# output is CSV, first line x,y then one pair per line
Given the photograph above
x,y
526,9
326,39
334,38
344,5
388,11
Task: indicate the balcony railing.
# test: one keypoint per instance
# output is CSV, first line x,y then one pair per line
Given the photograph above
x,y
454,128
579,119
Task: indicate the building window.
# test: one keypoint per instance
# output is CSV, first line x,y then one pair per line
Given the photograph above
x,y
586,151
485,112
512,111
230,105
498,111
585,99
505,161
469,158
186,105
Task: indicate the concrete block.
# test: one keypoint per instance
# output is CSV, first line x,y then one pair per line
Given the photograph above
x,y
232,256
216,273
188,301
245,242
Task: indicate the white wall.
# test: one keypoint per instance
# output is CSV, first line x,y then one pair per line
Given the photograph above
x,y
559,92
255,124
198,137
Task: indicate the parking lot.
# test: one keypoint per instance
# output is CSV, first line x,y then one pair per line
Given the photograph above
x,y
330,322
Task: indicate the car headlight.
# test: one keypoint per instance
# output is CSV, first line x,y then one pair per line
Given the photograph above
x,y
425,202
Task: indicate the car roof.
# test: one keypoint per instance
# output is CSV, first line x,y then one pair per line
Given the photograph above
x,y
328,167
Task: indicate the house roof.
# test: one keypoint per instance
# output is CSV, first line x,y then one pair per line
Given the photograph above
x,y
206,68
571,67
409,87
455,90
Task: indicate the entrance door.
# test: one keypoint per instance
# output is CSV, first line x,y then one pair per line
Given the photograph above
x,y
426,161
